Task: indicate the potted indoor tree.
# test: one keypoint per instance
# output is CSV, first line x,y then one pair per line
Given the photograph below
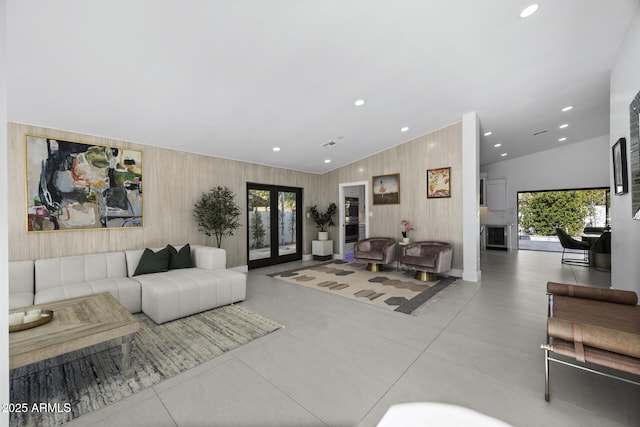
x,y
323,220
216,213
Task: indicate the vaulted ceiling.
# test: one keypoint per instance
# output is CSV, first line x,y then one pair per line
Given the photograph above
x,y
236,78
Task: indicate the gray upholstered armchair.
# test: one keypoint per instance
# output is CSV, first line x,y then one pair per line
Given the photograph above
x,y
427,258
376,251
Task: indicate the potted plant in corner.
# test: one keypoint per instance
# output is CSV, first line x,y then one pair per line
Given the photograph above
x,y
217,214
323,219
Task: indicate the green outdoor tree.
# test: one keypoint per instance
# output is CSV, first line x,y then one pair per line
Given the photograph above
x,y
541,213
289,201
258,202
257,230
217,214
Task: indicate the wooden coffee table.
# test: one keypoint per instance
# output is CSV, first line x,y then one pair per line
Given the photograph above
x,y
77,323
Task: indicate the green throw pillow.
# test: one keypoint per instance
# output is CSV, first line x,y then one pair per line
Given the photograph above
x,y
153,262
180,258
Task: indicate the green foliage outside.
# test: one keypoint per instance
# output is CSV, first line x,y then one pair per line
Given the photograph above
x,y
217,214
259,201
287,203
257,230
541,213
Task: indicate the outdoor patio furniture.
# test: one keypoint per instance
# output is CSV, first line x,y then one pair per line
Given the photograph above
x,y
569,242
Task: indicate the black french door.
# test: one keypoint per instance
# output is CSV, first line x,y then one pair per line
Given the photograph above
x,y
274,218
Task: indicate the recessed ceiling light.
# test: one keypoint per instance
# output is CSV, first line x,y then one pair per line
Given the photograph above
x,y
276,148
488,133
529,10
562,139
359,102
503,154
327,161
404,129
564,126
567,108
497,145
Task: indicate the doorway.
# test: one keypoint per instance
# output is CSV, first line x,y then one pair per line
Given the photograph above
x,y
582,213
354,215
274,231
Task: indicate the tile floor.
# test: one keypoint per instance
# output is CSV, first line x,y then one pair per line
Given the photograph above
x,y
340,362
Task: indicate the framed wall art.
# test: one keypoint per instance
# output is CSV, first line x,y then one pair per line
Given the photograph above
x,y
386,189
438,183
634,155
620,176
75,186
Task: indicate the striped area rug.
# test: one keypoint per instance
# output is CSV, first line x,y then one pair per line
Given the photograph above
x,y
70,389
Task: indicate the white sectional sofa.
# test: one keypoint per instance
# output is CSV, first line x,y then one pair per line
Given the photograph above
x,y
162,296
177,293
75,276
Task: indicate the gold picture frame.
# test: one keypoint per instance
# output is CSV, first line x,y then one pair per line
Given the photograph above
x,y
386,189
72,185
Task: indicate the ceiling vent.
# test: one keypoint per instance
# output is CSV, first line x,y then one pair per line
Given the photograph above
x,y
540,132
329,144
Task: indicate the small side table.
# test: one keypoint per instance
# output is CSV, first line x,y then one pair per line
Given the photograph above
x,y
322,250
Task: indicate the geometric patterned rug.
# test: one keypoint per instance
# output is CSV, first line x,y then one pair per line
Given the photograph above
x,y
390,289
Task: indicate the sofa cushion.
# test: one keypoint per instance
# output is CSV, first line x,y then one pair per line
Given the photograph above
x,y
208,257
127,291
153,262
54,272
180,258
428,260
178,293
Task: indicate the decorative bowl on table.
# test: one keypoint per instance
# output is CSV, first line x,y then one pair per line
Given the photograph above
x,y
23,320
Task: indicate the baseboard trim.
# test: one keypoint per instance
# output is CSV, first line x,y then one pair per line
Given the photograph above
x,y
240,268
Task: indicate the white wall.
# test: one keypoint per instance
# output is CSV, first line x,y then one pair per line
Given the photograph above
x,y
580,165
4,254
625,235
471,197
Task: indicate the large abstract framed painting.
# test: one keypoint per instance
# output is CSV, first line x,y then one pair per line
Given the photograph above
x,y
76,186
620,177
438,183
386,189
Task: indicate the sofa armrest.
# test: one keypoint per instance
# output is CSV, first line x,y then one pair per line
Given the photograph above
x,y
21,276
609,295
208,257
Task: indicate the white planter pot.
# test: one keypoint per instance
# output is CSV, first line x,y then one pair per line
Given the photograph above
x,y
323,235
405,240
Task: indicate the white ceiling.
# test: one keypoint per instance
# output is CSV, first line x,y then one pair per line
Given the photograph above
x,y
235,78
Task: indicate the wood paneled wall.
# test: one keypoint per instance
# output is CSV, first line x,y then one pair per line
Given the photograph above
x,y
174,180
433,219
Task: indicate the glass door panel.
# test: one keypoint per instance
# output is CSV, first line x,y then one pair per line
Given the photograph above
x,y
259,204
274,232
287,202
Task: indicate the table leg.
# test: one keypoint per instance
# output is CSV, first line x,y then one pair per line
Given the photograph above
x,y
128,344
